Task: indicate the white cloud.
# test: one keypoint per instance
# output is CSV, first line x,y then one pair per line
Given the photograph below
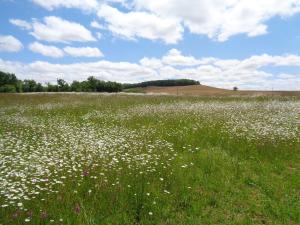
x,y
96,25
221,19
151,63
9,43
225,73
21,23
83,52
55,29
48,72
55,52
46,50
85,5
134,25
175,58
166,19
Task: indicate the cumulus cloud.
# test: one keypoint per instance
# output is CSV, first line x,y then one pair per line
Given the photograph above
x,y
9,43
134,25
83,52
152,63
175,58
47,72
86,5
21,23
225,73
56,29
222,19
55,52
166,19
46,50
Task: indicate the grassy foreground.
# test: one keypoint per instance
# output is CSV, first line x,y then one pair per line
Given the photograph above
x,y
119,159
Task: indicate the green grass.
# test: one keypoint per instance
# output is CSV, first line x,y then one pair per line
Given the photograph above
x,y
122,159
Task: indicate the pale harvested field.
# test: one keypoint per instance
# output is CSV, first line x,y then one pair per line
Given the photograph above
x,y
203,90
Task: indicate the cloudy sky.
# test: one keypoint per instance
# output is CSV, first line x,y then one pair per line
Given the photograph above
x,y
252,44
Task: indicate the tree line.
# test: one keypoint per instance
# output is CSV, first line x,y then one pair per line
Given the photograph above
x,y
10,84
163,83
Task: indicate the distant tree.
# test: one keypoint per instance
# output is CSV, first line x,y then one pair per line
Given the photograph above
x,y
8,88
19,86
29,86
92,83
8,82
8,78
235,88
76,86
62,85
85,85
39,87
101,86
163,83
51,88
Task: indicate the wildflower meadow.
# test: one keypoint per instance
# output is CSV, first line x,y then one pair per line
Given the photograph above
x,y
148,159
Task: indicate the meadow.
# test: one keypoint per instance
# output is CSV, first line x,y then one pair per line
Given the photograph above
x,y
144,159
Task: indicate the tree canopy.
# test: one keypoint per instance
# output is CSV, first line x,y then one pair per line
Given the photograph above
x,y
163,83
10,83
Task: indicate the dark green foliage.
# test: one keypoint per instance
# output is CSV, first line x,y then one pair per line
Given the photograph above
x,y
163,83
94,85
52,88
8,78
29,86
39,87
8,82
76,86
8,88
63,85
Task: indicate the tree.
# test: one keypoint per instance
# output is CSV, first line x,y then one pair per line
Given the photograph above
x,y
76,86
7,88
19,86
235,88
86,86
8,78
62,85
163,83
51,88
39,88
8,82
92,83
29,86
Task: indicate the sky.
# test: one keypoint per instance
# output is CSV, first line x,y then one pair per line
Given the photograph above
x,y
251,44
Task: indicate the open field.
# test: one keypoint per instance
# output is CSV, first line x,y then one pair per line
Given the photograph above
x,y
120,159
202,90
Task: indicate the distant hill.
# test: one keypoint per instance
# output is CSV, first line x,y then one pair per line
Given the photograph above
x,y
202,90
162,83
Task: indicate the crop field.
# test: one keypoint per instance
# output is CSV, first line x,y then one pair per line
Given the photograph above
x,y
144,159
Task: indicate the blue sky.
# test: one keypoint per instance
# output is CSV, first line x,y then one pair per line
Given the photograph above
x,y
228,43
